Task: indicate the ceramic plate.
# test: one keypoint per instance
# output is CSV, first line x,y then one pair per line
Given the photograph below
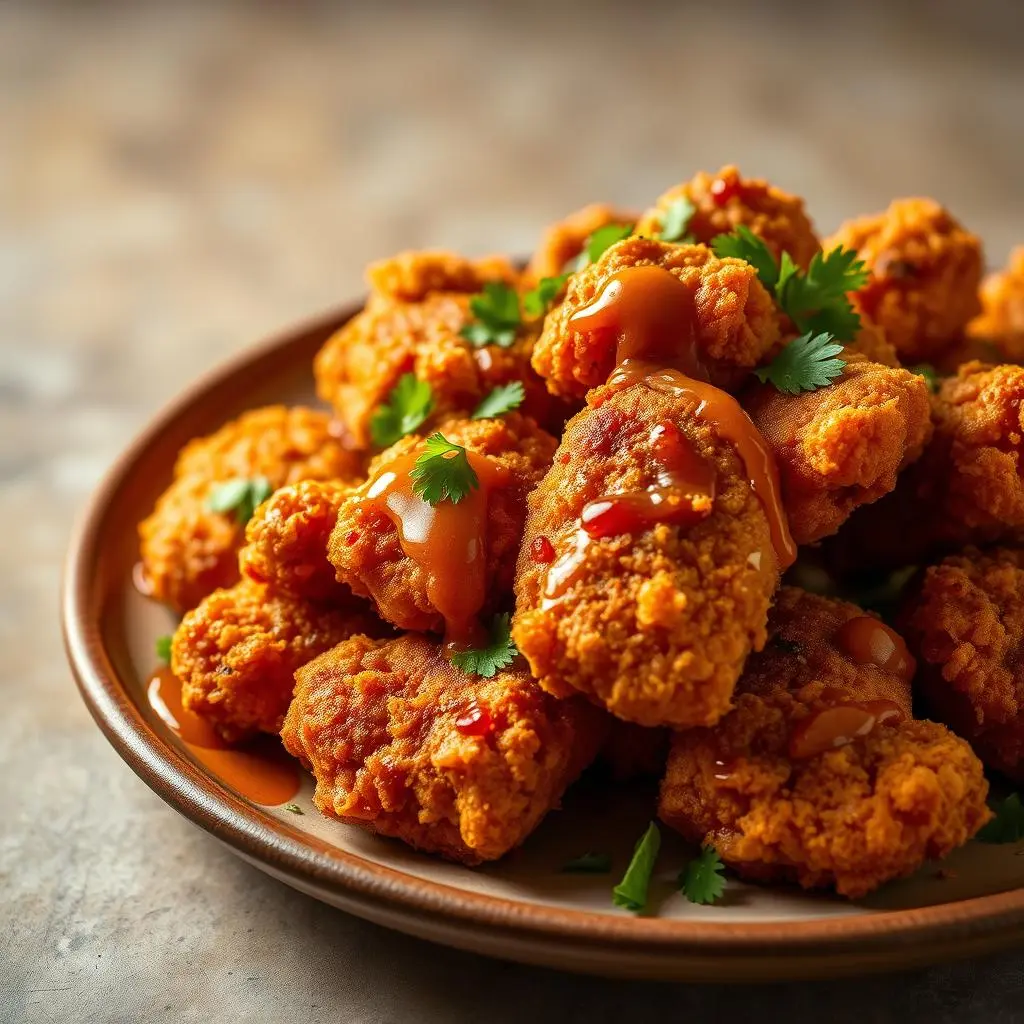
x,y
521,908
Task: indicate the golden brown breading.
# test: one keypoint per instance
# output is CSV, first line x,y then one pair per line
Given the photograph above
x,y
656,626
1002,310
965,623
188,550
404,744
854,816
367,553
737,323
418,303
925,269
564,241
237,652
841,446
725,200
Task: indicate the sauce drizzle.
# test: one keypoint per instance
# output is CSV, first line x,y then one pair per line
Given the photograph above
x,y
869,641
839,725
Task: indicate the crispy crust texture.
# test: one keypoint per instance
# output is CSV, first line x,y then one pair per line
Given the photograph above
x,y
189,551
656,626
1002,309
376,722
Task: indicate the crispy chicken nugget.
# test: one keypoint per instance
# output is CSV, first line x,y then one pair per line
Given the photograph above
x,y
854,815
187,549
736,321
404,744
563,242
418,304
366,550
1002,310
965,624
925,269
236,654
653,626
725,200
842,446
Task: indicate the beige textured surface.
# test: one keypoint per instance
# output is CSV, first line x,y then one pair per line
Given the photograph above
x,y
177,179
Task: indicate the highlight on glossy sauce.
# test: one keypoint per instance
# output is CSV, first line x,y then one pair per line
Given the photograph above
x,y
869,641
836,726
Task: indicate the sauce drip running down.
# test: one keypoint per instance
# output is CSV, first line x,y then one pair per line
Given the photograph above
x,y
870,642
447,540
261,771
839,725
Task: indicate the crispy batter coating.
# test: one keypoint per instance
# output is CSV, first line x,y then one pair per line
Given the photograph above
x,y
187,550
965,624
725,200
367,554
925,269
378,723
564,241
1002,309
286,540
842,446
418,303
655,627
236,654
853,817
737,323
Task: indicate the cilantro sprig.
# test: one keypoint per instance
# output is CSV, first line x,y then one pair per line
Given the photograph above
x,y
1008,824
600,241
538,300
675,221
497,316
241,495
588,864
163,648
501,400
701,880
631,892
805,364
498,652
410,402
443,472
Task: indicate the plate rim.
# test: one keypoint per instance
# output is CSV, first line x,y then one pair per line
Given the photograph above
x,y
648,946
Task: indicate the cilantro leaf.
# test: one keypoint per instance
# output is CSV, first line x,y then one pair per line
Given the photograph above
x,y
600,241
499,652
497,314
631,892
676,220
816,300
443,472
1008,824
501,400
241,495
701,880
588,864
805,364
294,808
408,405
537,300
163,648
930,374
745,245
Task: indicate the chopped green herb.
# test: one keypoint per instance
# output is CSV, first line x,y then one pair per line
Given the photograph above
x,y
242,495
701,880
745,245
631,892
294,808
408,405
538,300
589,864
497,314
930,374
499,652
501,400
805,364
676,220
163,648
1008,824
443,472
600,241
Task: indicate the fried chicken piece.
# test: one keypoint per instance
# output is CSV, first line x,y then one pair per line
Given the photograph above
x,y
736,321
852,816
368,555
404,744
925,269
564,241
870,342
286,540
653,626
842,446
187,550
965,624
726,200
236,654
1001,320
418,304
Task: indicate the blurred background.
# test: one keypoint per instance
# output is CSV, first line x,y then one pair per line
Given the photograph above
x,y
178,179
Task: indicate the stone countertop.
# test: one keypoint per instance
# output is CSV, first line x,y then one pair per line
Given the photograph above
x,y
179,179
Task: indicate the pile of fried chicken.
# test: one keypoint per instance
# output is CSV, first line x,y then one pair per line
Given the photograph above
x,y
644,500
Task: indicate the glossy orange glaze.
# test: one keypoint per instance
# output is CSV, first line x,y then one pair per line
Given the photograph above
x,y
567,570
261,771
839,725
447,540
871,642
